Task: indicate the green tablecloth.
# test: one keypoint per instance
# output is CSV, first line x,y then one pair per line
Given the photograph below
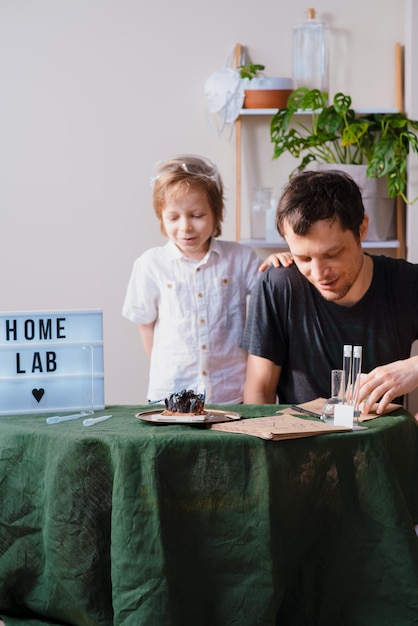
x,y
128,523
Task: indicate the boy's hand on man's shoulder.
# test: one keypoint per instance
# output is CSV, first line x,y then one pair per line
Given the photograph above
x,y
277,259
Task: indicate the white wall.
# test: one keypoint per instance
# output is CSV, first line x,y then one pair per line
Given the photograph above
x,y
93,92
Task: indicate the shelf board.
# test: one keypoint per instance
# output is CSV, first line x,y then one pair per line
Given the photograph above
x,y
260,243
282,245
272,112
391,243
258,111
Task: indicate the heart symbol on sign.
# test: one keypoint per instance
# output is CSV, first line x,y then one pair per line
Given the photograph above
x,y
38,393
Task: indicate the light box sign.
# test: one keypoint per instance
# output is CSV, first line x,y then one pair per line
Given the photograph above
x,y
51,361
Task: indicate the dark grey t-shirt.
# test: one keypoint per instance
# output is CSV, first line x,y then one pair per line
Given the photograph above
x,y
291,324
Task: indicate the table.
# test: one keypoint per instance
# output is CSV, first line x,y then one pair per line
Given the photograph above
x,y
129,523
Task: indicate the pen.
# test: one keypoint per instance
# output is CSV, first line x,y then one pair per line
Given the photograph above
x,y
299,409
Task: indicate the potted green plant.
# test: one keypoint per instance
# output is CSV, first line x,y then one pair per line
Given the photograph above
x,y
250,70
336,136
263,92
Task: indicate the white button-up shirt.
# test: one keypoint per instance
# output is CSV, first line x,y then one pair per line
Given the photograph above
x,y
199,310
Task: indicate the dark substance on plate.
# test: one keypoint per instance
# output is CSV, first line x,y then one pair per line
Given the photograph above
x,y
185,401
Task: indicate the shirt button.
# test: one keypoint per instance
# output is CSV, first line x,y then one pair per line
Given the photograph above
x,y
170,286
200,295
204,373
224,280
197,269
202,320
204,347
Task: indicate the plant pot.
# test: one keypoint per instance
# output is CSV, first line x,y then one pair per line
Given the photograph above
x,y
380,209
267,93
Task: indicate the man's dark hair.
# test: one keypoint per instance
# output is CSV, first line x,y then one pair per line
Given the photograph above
x,y
311,196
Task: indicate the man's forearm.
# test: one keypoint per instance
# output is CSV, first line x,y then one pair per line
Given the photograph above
x,y
252,396
261,381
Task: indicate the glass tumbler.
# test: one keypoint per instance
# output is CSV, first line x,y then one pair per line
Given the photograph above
x,y
337,395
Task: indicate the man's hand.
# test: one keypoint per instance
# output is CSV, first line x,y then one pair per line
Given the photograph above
x,y
387,382
276,259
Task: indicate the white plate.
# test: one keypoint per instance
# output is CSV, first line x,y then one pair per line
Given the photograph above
x,y
212,416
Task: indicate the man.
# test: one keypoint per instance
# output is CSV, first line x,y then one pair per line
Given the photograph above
x,y
334,294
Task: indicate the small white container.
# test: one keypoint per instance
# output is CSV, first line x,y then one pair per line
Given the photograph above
x,y
260,204
272,234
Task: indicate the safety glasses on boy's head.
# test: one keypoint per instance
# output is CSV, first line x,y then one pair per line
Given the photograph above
x,y
194,165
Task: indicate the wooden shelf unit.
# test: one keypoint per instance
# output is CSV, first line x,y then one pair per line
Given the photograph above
x,y
398,244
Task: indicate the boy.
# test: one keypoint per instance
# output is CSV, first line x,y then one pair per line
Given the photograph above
x,y
189,297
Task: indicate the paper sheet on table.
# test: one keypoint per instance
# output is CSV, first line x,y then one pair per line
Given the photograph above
x,y
280,426
317,404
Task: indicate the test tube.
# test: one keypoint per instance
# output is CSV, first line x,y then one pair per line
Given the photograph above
x,y
356,373
347,353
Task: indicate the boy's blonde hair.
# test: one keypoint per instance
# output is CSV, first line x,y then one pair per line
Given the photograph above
x,y
180,173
